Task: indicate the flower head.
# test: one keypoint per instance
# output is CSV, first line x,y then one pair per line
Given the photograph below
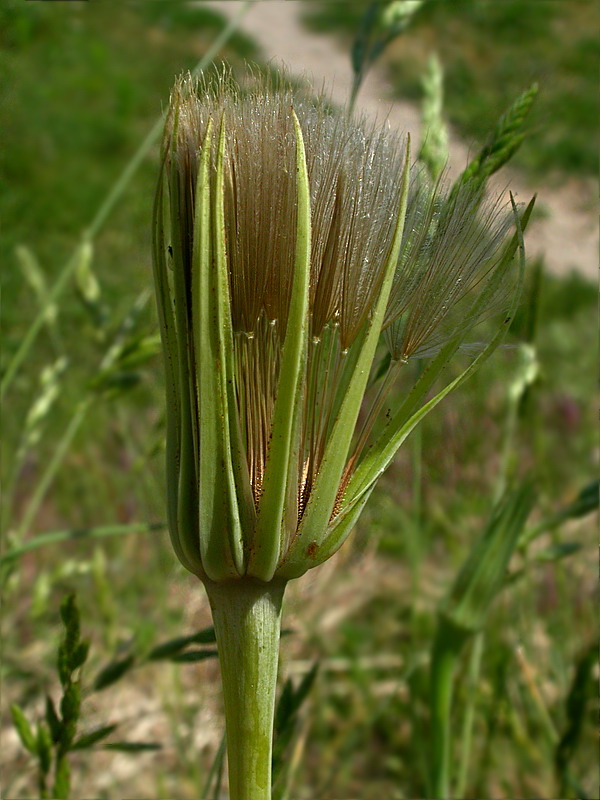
x,y
277,249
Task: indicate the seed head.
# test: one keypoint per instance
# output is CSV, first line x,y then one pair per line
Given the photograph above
x,y
277,249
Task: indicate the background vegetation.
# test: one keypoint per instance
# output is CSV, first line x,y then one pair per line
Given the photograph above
x,y
490,52
79,93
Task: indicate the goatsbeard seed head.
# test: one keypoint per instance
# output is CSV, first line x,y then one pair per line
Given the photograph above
x,y
250,149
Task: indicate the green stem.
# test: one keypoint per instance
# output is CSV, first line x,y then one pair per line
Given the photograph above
x,y
247,617
467,729
42,789
446,648
216,773
62,777
508,447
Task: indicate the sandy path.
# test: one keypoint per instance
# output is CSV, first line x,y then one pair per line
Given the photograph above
x,y
567,236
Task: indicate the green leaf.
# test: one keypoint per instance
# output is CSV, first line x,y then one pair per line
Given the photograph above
x,y
241,499
361,45
113,383
193,656
219,526
71,702
174,646
483,574
558,551
132,747
54,723
550,554
90,739
79,655
286,717
291,699
44,749
283,445
585,503
317,514
186,464
112,672
215,774
580,694
23,729
343,524
70,706
169,343
139,351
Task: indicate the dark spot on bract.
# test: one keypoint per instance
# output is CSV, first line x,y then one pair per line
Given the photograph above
x,y
311,550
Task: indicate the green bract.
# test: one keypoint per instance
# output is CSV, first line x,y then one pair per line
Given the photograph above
x,y
287,237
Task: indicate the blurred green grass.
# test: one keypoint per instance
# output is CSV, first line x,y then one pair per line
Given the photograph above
x,y
79,92
491,51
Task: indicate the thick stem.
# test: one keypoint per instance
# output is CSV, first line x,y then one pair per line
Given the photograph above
x,y
247,617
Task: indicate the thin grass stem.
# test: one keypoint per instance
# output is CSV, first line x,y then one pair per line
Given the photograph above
x,y
467,727
444,658
530,680
72,534
53,466
216,773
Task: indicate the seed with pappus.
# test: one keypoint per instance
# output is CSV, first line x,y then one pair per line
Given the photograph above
x,y
288,237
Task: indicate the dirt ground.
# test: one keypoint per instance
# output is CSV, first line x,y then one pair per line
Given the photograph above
x,y
567,230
